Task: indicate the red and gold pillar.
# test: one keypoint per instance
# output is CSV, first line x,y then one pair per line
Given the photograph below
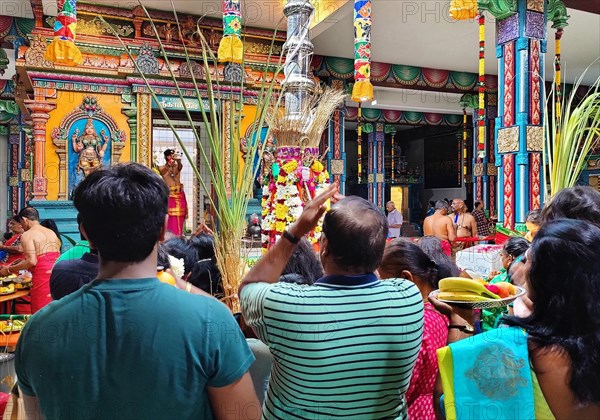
x,y
39,112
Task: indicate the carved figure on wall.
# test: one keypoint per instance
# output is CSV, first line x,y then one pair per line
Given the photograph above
x,y
189,30
90,146
168,31
268,157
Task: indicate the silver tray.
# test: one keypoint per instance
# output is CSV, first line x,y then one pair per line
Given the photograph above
x,y
484,304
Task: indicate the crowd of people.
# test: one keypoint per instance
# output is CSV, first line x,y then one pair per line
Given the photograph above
x,y
349,332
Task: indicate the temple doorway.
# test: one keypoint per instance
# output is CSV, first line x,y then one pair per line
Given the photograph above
x,y
162,139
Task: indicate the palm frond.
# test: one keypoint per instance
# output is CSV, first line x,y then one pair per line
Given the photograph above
x,y
571,135
231,184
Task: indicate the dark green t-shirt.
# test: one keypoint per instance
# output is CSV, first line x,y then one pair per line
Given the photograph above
x,y
130,349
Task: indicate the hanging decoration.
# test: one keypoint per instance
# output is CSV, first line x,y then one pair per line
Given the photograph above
x,y
231,47
297,175
393,156
362,90
557,87
481,88
62,50
463,9
359,143
464,142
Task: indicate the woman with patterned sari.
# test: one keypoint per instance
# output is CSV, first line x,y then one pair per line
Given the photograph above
x,y
545,365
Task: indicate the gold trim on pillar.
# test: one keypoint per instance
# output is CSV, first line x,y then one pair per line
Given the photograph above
x,y
508,139
478,169
337,167
536,5
144,130
535,138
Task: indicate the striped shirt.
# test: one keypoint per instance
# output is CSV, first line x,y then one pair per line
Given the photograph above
x,y
343,347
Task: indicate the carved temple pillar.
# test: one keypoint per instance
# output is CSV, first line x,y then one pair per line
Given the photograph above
x,y
131,114
336,156
144,130
521,48
39,111
376,167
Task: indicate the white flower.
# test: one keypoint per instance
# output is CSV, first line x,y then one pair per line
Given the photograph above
x,y
177,265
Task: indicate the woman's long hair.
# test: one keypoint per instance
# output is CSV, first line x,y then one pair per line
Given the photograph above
x,y
564,284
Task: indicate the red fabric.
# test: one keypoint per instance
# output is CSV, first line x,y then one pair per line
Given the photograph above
x,y
447,248
177,211
40,286
419,396
4,397
13,241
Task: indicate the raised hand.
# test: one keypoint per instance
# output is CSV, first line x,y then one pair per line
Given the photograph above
x,y
313,211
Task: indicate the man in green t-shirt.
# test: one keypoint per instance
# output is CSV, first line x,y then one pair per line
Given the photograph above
x,y
126,345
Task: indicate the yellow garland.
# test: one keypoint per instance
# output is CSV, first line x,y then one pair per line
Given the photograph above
x,y
281,211
280,226
290,166
317,166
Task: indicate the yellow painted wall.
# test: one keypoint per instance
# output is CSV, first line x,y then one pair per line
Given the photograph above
x,y
67,102
249,114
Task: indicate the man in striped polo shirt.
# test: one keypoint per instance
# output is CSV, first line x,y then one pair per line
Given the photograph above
x,y
346,346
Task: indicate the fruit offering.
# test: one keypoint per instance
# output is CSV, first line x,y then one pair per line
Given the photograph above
x,y
7,290
11,326
466,290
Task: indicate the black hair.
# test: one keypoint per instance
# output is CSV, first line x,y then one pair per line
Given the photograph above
x,y
516,246
28,213
401,254
535,217
123,211
162,257
582,203
204,273
198,256
303,267
476,203
432,246
51,224
169,152
356,232
565,285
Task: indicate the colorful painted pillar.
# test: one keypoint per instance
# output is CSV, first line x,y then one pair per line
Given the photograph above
x,y
521,47
336,156
484,171
39,112
376,169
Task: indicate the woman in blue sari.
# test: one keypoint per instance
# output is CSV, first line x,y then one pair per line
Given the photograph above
x,y
547,364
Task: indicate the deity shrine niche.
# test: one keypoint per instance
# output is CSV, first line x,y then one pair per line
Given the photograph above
x,y
86,139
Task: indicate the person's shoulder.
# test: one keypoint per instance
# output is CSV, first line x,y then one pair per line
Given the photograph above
x,y
400,284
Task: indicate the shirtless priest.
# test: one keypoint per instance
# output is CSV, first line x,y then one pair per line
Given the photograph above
x,y
464,224
171,173
440,226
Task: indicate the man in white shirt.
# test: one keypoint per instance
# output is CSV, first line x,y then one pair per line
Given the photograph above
x,y
394,219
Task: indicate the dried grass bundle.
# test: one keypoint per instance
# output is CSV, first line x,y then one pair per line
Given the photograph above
x,y
305,128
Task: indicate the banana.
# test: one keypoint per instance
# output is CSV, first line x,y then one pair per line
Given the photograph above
x,y
462,297
459,284
7,290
